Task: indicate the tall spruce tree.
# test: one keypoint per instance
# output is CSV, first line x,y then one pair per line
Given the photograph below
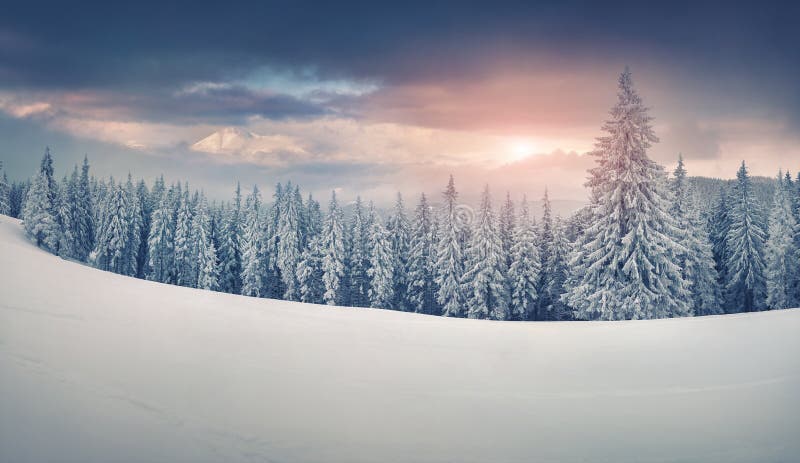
x,y
782,258
290,243
745,246
421,272
40,215
523,273
230,254
358,256
696,256
381,270
557,274
251,244
309,273
332,248
449,264
160,244
484,281
544,242
625,266
185,265
114,233
203,250
5,194
399,238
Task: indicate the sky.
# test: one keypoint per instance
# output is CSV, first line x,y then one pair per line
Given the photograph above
x,y
372,98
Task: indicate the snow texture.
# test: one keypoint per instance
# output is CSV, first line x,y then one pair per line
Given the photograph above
x,y
99,367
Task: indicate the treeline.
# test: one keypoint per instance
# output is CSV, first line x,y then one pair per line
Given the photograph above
x,y
646,246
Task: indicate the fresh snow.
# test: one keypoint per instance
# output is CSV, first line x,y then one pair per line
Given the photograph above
x,y
98,367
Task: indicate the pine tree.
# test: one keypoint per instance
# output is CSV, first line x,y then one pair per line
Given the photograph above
x,y
696,256
135,225
230,255
160,244
625,265
290,244
185,271
544,242
203,249
5,195
745,242
272,278
358,257
252,242
381,269
719,225
507,229
557,274
782,258
40,214
399,238
114,232
484,282
332,248
523,274
449,264
146,204
83,225
309,273
66,196
421,261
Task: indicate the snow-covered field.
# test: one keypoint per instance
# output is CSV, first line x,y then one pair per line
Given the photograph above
x,y
96,367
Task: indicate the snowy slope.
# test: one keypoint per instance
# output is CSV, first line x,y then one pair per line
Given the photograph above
x,y
96,367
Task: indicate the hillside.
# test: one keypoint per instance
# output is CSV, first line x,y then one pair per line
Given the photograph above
x,y
97,367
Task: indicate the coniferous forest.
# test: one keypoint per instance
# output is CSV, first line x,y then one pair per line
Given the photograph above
x,y
649,243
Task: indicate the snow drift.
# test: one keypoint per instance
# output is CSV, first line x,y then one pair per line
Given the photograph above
x,y
99,367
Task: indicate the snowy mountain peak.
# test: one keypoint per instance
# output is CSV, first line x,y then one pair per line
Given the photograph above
x,y
236,143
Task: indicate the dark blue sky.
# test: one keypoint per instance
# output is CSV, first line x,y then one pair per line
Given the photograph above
x,y
141,82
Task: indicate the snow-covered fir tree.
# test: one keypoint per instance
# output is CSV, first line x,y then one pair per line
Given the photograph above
x,y
398,227
66,240
160,244
144,199
449,255
696,256
309,273
507,224
332,248
523,274
557,274
782,258
5,195
82,215
625,266
114,233
544,242
313,219
421,273
746,285
251,243
203,249
358,256
40,215
185,265
230,255
718,226
381,268
135,225
484,278
290,243
271,272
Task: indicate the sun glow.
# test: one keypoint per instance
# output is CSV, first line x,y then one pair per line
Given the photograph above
x,y
520,148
